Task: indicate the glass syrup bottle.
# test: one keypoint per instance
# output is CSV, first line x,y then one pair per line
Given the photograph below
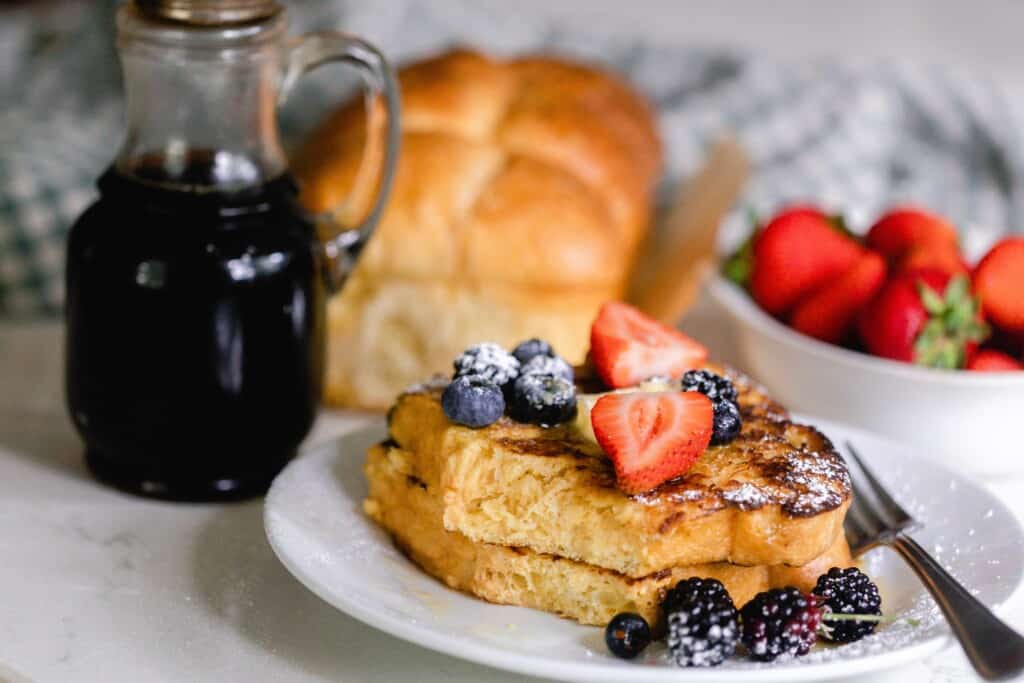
x,y
195,283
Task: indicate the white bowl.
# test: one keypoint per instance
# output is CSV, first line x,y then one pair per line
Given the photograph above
x,y
972,421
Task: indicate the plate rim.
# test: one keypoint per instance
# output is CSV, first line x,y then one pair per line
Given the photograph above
x,y
600,672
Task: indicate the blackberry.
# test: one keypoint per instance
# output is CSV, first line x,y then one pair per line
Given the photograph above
x,y
473,401
848,591
627,635
727,422
545,400
488,360
702,622
711,385
547,365
532,348
779,621
723,397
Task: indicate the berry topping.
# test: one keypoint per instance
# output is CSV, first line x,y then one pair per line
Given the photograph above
x,y
547,365
727,422
795,253
990,360
532,348
542,399
627,635
473,401
702,622
489,361
652,437
711,385
848,591
723,397
627,347
780,621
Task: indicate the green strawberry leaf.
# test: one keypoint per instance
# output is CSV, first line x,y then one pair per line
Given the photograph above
x,y
954,322
933,303
838,221
738,266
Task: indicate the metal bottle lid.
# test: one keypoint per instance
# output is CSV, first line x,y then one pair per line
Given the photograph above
x,y
208,12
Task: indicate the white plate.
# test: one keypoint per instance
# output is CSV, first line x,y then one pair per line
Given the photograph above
x,y
315,524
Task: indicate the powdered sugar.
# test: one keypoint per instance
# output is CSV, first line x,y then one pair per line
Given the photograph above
x,y
488,360
746,497
547,365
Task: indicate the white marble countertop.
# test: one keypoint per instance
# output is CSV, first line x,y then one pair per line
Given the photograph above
x,y
96,585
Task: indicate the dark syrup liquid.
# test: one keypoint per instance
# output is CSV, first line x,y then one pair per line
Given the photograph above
x,y
194,333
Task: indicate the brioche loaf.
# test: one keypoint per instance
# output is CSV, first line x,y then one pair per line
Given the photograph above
x,y
521,193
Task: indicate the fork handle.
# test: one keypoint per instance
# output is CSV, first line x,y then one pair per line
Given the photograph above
x,y
994,649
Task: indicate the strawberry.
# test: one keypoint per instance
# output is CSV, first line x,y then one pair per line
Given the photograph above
x,y
939,255
923,317
794,254
829,313
903,228
989,360
652,437
627,347
999,282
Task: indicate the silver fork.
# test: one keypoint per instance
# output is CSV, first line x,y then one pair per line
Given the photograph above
x,y
994,649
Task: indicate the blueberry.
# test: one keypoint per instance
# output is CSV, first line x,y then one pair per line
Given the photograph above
x,y
543,399
547,365
473,400
627,634
489,361
532,348
727,422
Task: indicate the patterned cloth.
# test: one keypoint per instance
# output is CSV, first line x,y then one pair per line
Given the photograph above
x,y
853,135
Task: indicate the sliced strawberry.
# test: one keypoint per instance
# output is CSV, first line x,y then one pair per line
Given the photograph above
x,y
795,253
627,347
652,437
905,227
989,360
999,282
829,313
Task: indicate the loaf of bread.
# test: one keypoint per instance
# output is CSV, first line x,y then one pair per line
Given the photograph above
x,y
521,194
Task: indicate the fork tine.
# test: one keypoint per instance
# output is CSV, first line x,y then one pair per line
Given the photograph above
x,y
892,512
864,513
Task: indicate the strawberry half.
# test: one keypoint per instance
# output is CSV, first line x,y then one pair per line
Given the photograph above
x,y
627,347
652,437
988,360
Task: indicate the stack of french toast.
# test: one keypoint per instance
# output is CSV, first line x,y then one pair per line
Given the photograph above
x,y
541,514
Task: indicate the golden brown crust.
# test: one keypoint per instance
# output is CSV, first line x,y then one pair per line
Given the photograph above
x,y
778,494
521,184
411,510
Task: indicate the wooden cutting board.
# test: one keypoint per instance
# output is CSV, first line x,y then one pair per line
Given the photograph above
x,y
679,254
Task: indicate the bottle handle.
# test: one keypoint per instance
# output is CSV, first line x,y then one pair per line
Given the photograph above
x,y
307,52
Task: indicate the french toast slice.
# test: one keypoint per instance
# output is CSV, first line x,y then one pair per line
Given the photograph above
x,y
777,494
411,510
